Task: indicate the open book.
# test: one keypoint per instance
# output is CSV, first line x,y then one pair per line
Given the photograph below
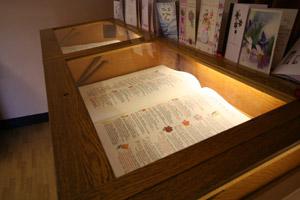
x,y
147,115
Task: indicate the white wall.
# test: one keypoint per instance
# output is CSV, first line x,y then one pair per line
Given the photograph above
x,y
22,88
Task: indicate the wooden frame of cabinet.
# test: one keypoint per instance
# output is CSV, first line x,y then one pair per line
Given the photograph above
x,y
206,169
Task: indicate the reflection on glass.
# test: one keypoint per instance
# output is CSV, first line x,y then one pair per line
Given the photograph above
x,y
93,68
87,36
158,111
102,66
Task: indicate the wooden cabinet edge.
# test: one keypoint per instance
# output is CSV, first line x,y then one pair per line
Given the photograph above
x,y
259,176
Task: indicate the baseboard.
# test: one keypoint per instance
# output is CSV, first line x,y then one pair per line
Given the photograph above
x,y
23,121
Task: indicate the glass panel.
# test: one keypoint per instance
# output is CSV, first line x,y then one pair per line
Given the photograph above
x,y
102,66
87,36
145,116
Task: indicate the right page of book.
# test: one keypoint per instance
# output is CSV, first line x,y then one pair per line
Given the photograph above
x,y
135,139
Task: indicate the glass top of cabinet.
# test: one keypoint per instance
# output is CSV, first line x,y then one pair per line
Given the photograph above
x,y
103,66
91,35
149,80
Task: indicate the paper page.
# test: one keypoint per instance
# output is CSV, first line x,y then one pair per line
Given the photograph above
x,y
218,26
135,91
135,139
182,20
130,12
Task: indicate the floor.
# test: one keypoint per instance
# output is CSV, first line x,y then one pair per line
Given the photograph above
x,y
27,168
26,164
286,187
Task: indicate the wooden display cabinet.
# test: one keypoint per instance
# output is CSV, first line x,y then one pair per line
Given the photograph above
x,y
230,164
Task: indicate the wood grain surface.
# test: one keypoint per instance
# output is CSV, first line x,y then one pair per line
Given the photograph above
x,y
27,164
262,175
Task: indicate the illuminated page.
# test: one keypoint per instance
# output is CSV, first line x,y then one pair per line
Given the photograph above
x,y
137,90
133,140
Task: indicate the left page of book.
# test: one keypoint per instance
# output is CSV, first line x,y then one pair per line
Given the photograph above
x,y
208,17
167,19
134,91
187,22
135,139
131,12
